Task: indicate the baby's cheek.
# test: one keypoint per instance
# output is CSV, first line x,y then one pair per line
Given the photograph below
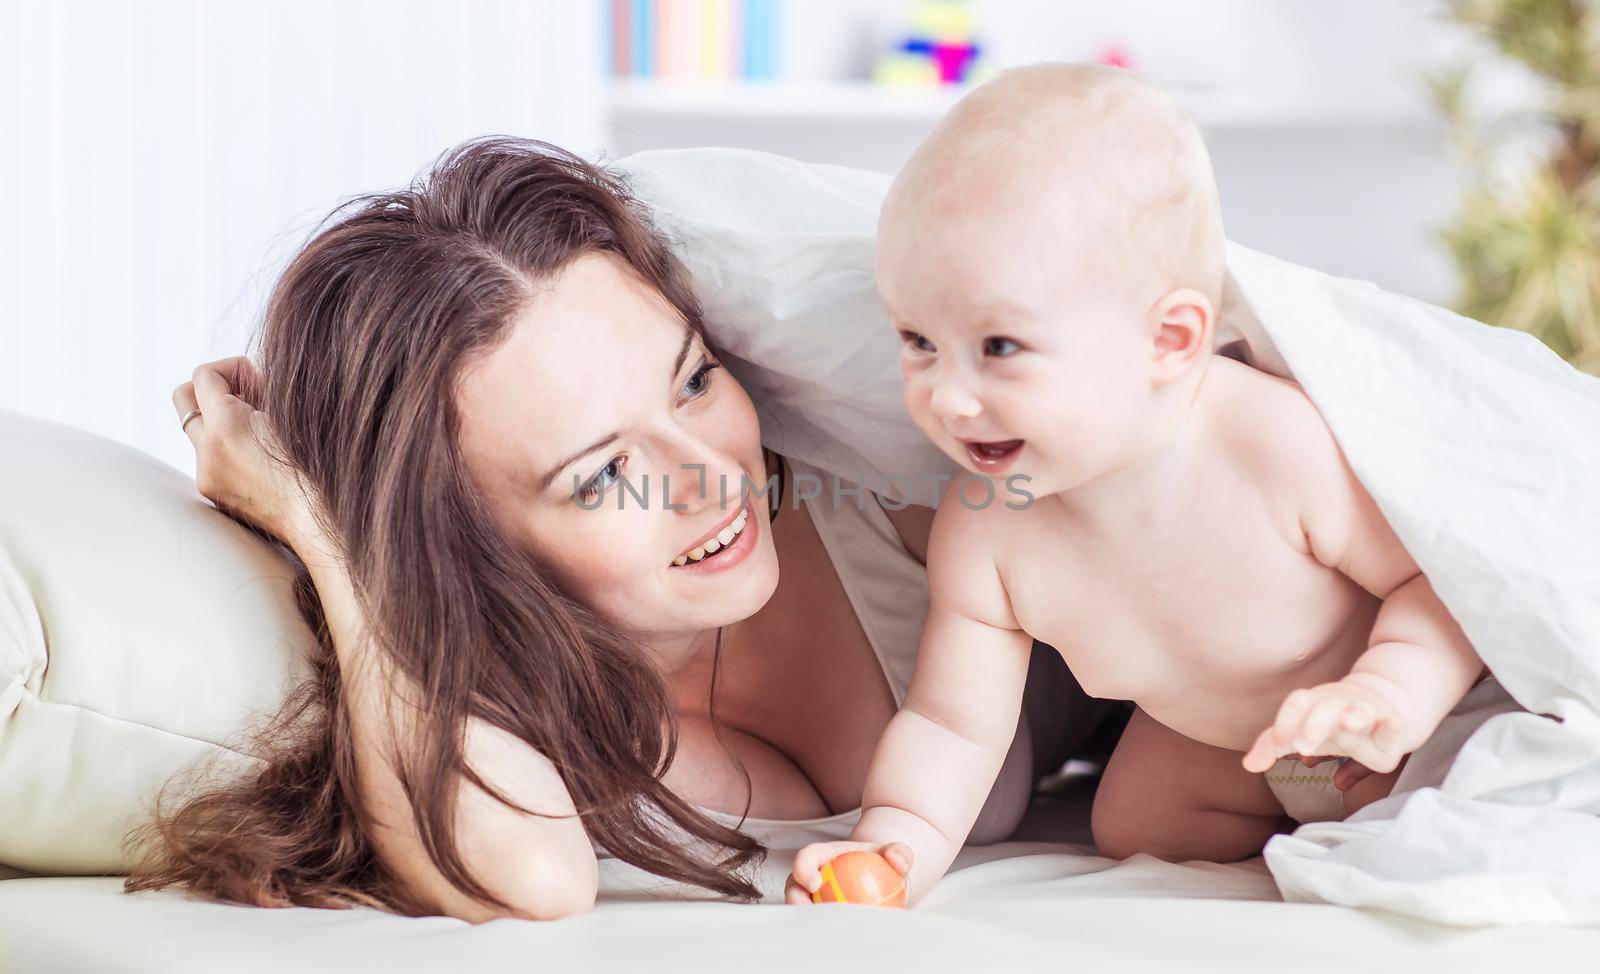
x,y
919,402
1044,411
934,430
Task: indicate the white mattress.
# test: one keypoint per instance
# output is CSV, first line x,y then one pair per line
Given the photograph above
x,y
1013,906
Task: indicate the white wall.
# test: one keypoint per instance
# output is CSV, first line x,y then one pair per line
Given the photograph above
x,y
158,162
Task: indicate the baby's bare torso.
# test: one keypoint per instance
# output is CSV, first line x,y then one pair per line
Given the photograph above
x,y
1205,610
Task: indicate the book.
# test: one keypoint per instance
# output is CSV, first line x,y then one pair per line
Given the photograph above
x,y
760,39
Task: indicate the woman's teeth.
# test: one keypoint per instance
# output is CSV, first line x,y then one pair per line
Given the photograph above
x,y
722,539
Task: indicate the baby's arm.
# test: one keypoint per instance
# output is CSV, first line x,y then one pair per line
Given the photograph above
x,y
1418,662
941,752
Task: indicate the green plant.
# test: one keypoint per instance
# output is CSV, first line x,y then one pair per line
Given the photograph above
x,y
1527,240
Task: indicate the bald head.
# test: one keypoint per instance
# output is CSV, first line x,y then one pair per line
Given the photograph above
x,y
1106,160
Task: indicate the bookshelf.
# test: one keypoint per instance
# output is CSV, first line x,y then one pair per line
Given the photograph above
x,y
822,102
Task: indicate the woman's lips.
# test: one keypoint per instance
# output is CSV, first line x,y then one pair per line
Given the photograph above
x,y
993,456
732,555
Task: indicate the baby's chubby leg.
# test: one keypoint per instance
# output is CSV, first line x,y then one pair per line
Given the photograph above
x,y
1178,799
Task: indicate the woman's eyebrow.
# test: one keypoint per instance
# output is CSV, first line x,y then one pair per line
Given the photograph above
x,y
609,438
555,471
683,353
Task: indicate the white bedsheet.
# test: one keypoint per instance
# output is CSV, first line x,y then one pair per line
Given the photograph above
x,y
1481,447
1031,905
1012,907
1483,450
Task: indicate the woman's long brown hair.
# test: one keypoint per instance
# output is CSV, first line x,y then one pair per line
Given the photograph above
x,y
365,337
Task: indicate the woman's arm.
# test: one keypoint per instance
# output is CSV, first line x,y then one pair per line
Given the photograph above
x,y
544,868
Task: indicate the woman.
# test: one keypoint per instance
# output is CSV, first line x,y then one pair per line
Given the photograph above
x,y
497,430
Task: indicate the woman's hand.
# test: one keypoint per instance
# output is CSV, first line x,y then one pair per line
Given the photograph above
x,y
236,465
806,875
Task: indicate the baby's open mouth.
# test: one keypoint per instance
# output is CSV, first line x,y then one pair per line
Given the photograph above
x,y
993,454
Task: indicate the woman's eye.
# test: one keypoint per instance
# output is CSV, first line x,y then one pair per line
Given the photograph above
x,y
999,347
603,479
917,342
701,380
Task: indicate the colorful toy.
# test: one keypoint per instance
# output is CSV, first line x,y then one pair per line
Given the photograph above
x,y
1114,55
864,878
939,49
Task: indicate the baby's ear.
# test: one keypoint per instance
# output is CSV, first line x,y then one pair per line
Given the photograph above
x,y
1181,325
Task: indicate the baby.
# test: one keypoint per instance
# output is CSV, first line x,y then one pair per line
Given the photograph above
x,y
1052,258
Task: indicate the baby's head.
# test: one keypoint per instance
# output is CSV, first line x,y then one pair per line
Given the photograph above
x,y
1052,257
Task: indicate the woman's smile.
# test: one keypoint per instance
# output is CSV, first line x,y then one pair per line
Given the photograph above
x,y
723,549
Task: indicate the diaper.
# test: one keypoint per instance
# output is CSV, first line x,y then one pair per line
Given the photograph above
x,y
1307,794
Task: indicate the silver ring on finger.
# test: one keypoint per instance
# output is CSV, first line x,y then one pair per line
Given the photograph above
x,y
183,423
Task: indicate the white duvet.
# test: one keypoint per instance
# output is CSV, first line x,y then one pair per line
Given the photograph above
x,y
1481,447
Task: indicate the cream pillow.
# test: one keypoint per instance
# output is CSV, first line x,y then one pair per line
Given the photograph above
x,y
141,631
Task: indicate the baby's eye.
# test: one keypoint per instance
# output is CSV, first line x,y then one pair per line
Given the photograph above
x,y
603,479
916,341
1000,347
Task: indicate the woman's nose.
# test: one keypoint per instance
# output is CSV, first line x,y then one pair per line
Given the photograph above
x,y
701,480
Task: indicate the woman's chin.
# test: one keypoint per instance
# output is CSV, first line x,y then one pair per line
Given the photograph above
x,y
742,594
728,595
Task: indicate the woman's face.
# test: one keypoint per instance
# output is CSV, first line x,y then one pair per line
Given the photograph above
x,y
611,444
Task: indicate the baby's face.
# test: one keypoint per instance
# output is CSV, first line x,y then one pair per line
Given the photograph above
x,y
1021,353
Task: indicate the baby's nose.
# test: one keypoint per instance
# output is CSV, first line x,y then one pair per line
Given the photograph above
x,y
952,400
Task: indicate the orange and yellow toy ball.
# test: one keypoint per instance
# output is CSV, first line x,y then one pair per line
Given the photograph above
x,y
861,877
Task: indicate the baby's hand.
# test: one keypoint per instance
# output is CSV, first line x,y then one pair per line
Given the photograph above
x,y
1348,717
806,874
